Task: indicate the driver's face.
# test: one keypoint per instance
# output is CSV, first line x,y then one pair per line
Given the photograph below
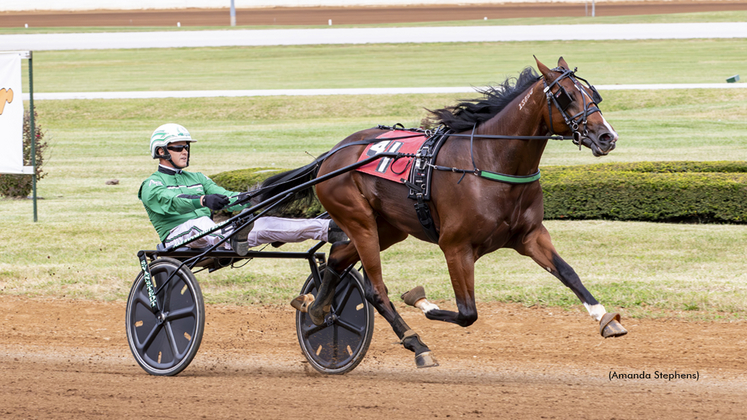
x,y
179,158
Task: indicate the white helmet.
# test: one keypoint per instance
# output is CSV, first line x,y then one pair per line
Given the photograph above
x,y
165,134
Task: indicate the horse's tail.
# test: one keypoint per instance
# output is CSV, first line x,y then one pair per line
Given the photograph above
x,y
277,184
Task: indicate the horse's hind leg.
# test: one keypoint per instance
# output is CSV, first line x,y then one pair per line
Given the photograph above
x,y
408,338
341,256
372,236
377,294
539,247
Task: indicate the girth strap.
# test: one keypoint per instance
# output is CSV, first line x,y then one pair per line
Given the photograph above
x,y
423,211
420,181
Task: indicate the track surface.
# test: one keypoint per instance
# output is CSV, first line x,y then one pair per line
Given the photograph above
x,y
353,15
69,359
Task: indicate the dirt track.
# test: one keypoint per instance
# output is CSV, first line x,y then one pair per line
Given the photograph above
x,y
354,15
69,359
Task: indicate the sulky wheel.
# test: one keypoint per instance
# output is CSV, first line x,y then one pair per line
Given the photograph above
x,y
340,345
165,342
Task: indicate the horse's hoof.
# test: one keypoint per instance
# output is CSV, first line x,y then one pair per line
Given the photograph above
x,y
303,302
318,315
414,295
425,360
609,326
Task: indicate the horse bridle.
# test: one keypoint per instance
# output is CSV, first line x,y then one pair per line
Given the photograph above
x,y
563,100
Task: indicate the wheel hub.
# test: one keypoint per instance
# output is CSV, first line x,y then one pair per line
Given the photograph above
x,y
330,319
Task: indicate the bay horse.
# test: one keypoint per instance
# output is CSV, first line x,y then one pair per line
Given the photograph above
x,y
473,216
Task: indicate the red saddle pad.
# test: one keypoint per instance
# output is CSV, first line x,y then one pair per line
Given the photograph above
x,y
392,141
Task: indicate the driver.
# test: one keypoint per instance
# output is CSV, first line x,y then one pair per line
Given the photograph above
x,y
179,203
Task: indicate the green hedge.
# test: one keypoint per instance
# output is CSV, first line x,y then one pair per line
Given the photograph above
x,y
247,179
702,192
658,167
244,179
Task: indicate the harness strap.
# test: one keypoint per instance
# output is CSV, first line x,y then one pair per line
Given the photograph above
x,y
420,180
502,137
493,176
423,210
549,108
471,149
509,179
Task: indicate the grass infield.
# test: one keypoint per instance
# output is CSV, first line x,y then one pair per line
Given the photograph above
x,y
85,241
88,232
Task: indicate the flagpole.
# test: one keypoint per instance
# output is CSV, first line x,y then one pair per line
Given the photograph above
x,y
233,14
33,130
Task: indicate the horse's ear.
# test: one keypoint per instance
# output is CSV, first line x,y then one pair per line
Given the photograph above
x,y
546,72
562,63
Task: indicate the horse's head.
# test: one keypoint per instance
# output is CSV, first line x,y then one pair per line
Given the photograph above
x,y
573,109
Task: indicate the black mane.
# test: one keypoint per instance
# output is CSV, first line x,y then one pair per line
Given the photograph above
x,y
464,115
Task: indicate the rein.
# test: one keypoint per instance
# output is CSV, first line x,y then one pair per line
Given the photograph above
x,y
313,166
502,137
571,121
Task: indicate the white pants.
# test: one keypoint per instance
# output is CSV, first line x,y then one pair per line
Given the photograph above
x,y
266,230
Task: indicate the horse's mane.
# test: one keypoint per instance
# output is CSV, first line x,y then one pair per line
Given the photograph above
x,y
468,112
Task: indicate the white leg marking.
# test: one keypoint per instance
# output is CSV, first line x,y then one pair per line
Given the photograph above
x,y
596,311
426,306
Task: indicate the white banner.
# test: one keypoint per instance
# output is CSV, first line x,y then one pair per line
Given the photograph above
x,y
11,114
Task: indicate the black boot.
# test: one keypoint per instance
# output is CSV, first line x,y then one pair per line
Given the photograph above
x,y
239,239
323,303
335,234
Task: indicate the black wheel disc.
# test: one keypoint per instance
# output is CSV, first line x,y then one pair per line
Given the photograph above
x,y
165,342
340,345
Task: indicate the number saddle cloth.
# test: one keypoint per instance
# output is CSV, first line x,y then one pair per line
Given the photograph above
x,y
414,171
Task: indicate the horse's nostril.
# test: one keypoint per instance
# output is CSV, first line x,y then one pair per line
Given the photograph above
x,y
607,138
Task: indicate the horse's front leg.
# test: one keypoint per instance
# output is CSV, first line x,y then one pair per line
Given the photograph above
x,y
538,245
461,263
